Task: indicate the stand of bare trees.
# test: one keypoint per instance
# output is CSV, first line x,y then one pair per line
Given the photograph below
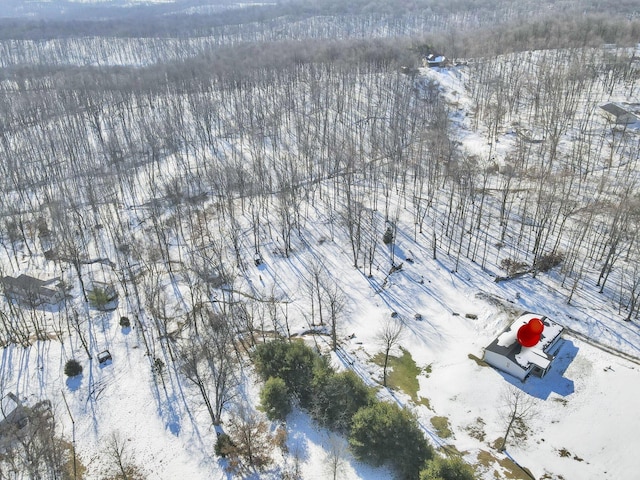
x,y
175,171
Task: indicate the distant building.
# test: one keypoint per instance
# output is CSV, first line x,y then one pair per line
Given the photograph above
x,y
434,60
507,354
32,291
13,414
19,422
622,113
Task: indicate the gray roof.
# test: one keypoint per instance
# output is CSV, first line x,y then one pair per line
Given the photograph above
x,y
31,289
614,109
622,110
24,282
507,346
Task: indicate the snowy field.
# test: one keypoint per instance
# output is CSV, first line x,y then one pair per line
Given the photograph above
x,y
584,425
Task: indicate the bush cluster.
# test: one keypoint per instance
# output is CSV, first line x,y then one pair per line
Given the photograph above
x,y
98,298
447,469
72,368
384,432
378,432
548,261
274,398
387,238
224,445
513,266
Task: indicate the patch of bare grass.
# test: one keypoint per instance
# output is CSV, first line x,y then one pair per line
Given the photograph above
x,y
476,429
510,470
478,360
441,424
403,374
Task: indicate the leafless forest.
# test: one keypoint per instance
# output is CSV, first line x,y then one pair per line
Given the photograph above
x,y
189,152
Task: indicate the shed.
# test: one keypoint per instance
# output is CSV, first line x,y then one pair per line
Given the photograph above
x,y
20,421
507,354
104,358
621,113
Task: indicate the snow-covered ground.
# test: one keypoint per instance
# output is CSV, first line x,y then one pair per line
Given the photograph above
x,y
584,424
584,406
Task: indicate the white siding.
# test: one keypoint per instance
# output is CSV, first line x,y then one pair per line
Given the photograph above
x,y
503,363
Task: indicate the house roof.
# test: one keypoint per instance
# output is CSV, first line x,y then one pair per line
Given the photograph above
x,y
31,289
433,58
507,345
532,355
23,282
619,109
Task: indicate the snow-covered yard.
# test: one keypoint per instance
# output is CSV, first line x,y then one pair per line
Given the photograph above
x,y
584,424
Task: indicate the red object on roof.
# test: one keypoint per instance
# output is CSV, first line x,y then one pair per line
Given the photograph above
x,y
536,325
529,334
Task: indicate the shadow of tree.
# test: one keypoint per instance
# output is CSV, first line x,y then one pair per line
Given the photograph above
x,y
73,383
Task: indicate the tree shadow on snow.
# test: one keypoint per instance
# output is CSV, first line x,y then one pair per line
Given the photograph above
x,y
554,381
73,383
305,432
171,418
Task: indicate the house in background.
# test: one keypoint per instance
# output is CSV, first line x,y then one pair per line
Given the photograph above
x,y
622,113
19,422
434,60
32,292
507,353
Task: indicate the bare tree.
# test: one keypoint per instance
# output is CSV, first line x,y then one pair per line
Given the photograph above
x,y
388,337
118,455
631,296
30,448
336,302
209,361
314,284
251,443
517,409
336,454
122,461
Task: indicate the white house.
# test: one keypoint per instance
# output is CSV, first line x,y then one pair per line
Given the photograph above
x,y
434,60
507,354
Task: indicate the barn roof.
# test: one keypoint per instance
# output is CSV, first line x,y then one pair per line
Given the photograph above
x,y
24,282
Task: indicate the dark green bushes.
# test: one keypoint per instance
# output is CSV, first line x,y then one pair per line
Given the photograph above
x,y
274,398
385,432
72,368
379,432
293,362
337,398
447,469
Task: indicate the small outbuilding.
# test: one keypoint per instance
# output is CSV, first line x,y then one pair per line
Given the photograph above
x,y
519,352
19,422
621,113
104,358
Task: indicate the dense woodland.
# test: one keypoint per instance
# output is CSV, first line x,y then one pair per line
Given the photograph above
x,y
187,153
